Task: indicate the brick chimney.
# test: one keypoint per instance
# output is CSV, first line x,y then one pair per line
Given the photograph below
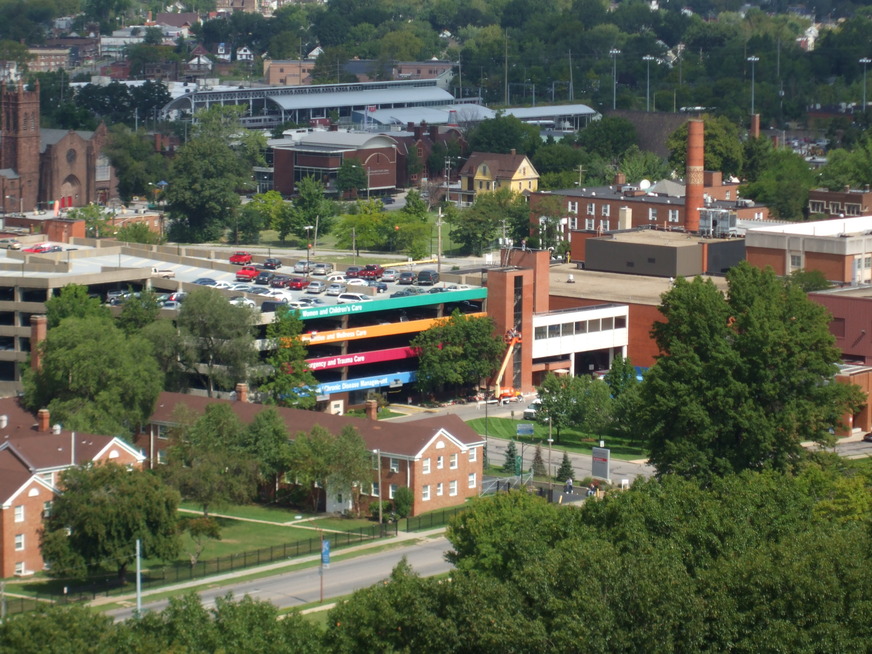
x,y
434,132
43,419
620,179
242,392
693,195
38,329
755,126
371,409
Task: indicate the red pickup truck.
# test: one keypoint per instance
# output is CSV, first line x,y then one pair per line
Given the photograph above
x,y
241,258
371,271
247,274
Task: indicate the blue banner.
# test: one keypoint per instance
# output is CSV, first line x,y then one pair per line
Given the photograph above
x,y
325,553
392,380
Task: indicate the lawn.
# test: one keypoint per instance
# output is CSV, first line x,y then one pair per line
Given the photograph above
x,y
268,512
570,439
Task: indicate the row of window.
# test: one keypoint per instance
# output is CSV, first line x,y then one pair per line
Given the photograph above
x,y
472,480
440,462
819,206
580,327
18,511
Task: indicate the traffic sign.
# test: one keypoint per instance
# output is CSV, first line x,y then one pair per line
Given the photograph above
x,y
524,429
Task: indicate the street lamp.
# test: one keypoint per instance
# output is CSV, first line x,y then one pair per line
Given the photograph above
x,y
550,476
614,52
648,59
753,61
377,453
864,61
308,228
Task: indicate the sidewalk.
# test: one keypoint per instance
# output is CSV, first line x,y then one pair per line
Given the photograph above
x,y
401,537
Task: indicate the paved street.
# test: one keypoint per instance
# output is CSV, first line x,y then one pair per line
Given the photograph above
x,y
304,586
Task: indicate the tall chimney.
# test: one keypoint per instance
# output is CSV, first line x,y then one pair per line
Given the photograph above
x,y
43,419
38,329
371,409
755,126
693,195
242,392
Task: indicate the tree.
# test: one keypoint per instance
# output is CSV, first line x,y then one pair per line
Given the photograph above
x,y
503,134
102,512
538,462
139,311
135,161
311,208
171,354
404,499
96,220
783,185
565,471
511,456
609,137
311,461
138,233
94,378
351,178
219,337
545,216
291,383
199,529
266,441
458,351
743,379
74,627
351,465
723,147
73,301
265,211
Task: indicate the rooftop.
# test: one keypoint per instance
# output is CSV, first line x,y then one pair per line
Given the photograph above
x,y
859,226
659,238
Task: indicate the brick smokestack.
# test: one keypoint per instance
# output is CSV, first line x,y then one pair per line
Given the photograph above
x,y
242,392
755,126
371,409
693,195
43,419
38,328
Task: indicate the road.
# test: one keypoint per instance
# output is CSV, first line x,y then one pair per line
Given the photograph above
x,y
304,586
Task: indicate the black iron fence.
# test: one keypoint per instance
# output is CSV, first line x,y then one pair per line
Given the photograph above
x,y
432,520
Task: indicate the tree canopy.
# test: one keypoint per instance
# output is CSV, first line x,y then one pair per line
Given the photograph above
x,y
743,379
290,382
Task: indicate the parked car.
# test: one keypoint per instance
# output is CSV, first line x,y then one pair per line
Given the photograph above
x,y
298,283
205,281
355,281
388,199
335,289
10,244
240,258
316,286
164,273
322,269
36,248
344,298
336,277
222,285
408,292
247,273
302,266
272,264
390,275
438,289
427,278
280,281
371,271
242,287
380,287
352,272
171,305
178,296
407,277
312,301
264,278
868,437
242,301
531,410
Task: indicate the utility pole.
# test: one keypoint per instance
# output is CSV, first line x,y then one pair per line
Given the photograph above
x,y
439,242
571,88
506,68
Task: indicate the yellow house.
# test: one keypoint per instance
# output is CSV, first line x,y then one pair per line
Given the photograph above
x,y
487,171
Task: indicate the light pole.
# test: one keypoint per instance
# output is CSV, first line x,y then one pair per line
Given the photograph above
x,y
550,476
377,453
864,61
753,61
614,52
308,229
648,59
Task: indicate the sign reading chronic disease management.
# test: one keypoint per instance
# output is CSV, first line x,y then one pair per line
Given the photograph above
x,y
393,303
393,380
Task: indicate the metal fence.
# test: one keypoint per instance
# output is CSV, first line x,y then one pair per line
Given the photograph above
x,y
432,520
182,572
491,485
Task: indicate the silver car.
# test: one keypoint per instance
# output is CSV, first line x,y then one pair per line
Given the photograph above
x,y
390,275
316,286
335,288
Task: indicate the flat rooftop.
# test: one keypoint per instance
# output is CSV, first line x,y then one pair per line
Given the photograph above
x,y
857,226
659,237
848,291
612,287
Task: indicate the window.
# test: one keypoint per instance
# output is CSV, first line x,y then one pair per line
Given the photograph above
x,y
452,487
392,491
473,455
452,461
795,261
591,209
163,432
19,513
439,489
375,489
606,210
593,325
553,331
852,209
19,568
19,541
425,466
605,225
727,196
440,463
572,207
568,329
472,480
573,222
540,333
673,215
652,213
48,477
607,324
620,322
835,207
817,206
589,223
395,465
46,509
425,493
581,327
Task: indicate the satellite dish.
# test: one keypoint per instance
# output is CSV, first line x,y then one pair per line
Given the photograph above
x,y
644,185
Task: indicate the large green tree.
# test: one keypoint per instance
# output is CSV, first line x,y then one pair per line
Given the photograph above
x,y
744,378
100,515
457,353
94,378
723,148
290,382
578,401
73,301
503,134
783,185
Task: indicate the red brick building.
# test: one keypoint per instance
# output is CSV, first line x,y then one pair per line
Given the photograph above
x,y
33,454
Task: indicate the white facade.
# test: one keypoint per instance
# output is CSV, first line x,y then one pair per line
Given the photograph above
x,y
586,329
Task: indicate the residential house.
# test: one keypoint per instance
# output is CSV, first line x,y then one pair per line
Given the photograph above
x,y
440,459
33,454
484,172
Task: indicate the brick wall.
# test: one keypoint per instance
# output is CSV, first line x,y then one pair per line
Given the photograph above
x,y
32,498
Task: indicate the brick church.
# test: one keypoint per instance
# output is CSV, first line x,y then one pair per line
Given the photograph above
x,y
41,167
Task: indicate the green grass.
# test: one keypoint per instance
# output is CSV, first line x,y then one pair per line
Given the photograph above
x,y
238,536
269,512
570,439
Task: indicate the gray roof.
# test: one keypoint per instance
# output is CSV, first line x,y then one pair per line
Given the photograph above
x,y
550,111
376,97
49,137
431,115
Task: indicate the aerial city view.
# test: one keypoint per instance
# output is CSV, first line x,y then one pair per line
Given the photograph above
x,y
369,326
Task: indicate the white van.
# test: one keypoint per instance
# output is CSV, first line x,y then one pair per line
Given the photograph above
x,y
532,409
352,297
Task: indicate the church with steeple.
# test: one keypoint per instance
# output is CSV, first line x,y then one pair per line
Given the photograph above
x,y
43,168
